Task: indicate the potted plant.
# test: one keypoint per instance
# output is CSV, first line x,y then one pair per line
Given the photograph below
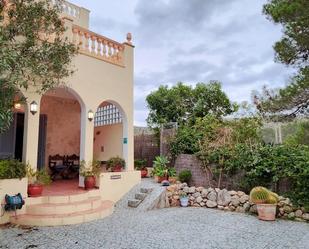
x,y
184,199
115,164
140,164
266,202
90,173
160,168
172,175
37,179
162,174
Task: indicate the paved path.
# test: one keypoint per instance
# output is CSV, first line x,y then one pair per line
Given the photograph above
x,y
181,228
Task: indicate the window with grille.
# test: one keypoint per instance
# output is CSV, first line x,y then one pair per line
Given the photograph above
x,y
107,115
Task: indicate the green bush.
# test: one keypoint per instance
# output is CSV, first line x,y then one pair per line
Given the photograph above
x,y
10,169
185,176
185,141
266,165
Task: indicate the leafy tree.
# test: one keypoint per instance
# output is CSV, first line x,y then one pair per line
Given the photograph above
x,y
292,50
184,104
220,138
34,54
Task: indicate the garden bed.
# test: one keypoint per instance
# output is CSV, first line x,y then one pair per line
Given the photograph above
x,y
223,199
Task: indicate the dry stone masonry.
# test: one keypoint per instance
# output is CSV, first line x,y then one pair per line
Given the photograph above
x,y
223,199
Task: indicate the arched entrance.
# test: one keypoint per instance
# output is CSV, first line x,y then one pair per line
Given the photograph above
x,y
110,132
59,132
11,141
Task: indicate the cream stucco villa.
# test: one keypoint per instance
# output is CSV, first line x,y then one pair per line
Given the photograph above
x,y
60,122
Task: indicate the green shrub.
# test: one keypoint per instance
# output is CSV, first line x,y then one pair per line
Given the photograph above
x,y
10,169
266,165
140,164
114,162
160,166
185,176
185,141
171,172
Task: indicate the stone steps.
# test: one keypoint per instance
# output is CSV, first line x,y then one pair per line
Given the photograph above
x,y
59,199
139,197
55,210
105,209
64,208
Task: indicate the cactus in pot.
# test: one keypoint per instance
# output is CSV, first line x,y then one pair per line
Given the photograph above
x,y
266,202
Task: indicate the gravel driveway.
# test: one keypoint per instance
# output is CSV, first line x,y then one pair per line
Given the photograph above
x,y
165,228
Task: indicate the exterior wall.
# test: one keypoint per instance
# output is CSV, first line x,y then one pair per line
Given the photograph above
x,y
110,138
114,185
94,81
115,86
63,126
190,162
12,187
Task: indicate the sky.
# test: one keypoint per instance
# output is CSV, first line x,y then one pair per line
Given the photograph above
x,y
193,41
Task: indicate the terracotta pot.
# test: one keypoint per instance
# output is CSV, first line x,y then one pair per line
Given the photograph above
x,y
35,190
267,211
144,173
117,168
156,178
89,182
172,180
161,178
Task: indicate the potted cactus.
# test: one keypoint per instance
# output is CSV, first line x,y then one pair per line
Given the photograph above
x,y
266,202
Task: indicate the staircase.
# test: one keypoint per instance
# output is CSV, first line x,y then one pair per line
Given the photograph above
x,y
139,197
64,209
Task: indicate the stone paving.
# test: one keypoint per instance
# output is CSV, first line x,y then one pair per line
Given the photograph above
x,y
167,228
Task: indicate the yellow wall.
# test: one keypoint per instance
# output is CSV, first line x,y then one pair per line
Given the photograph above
x,y
110,138
12,187
93,82
114,185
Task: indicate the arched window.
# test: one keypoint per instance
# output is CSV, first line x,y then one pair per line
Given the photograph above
x,y
107,115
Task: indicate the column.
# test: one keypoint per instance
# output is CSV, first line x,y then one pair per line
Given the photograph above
x,y
86,139
31,133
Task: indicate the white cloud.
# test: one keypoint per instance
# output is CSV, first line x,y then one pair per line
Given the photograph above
x,y
193,41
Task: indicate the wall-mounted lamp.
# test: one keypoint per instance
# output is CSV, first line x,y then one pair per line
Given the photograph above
x,y
33,107
90,115
17,106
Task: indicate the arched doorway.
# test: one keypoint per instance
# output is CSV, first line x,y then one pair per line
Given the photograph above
x,y
11,141
110,132
59,129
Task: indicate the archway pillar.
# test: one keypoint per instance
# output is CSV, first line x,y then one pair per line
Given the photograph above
x,y
86,139
31,133
128,149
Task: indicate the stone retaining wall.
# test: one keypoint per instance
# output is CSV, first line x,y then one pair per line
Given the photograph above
x,y
229,200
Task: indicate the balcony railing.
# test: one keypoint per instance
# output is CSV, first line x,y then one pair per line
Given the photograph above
x,y
68,8
98,46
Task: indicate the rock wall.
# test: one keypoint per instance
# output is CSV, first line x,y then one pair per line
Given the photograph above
x,y
223,199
